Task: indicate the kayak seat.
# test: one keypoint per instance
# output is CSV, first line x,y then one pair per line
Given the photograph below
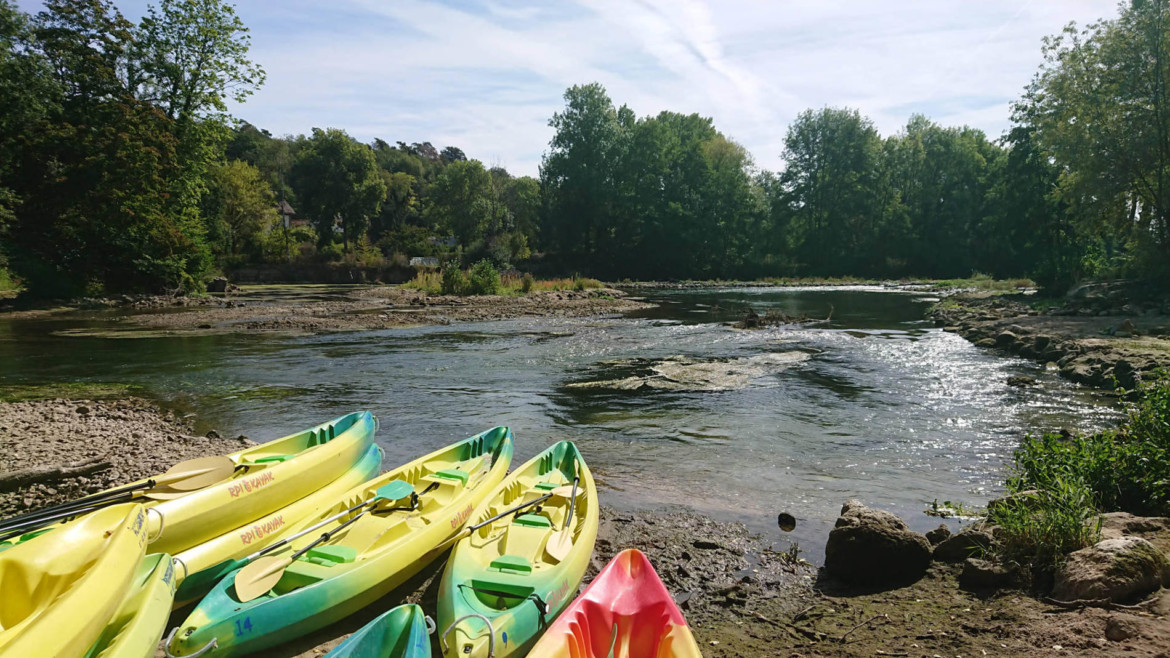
x,y
272,459
533,521
511,564
315,565
452,474
546,486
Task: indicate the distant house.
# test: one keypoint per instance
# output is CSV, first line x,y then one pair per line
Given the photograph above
x,y
424,261
287,212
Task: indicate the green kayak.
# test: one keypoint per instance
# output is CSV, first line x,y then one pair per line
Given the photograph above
x,y
402,632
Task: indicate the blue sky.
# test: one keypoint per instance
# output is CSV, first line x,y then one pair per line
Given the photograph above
x,y
486,75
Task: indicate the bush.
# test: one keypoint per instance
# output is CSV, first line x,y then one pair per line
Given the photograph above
x,y
453,283
484,279
526,283
1126,469
1037,530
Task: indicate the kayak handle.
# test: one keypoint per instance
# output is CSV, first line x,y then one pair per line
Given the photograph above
x,y
491,633
431,628
179,563
161,524
167,646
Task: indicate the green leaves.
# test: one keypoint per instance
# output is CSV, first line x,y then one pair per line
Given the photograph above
x,y
337,177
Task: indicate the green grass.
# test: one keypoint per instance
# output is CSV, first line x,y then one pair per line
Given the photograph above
x,y
67,391
431,282
8,284
983,282
1036,531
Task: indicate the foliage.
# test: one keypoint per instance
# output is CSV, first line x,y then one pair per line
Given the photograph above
x,y
453,281
1037,530
1126,469
336,176
526,283
239,208
483,279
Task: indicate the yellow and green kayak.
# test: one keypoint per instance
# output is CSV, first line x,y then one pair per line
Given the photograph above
x,y
366,555
201,566
265,478
504,583
59,591
139,623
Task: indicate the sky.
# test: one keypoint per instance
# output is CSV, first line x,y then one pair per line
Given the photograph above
x,y
487,75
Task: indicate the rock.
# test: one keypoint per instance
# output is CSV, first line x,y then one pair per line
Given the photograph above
x,y
82,410
1118,629
981,575
985,342
1127,375
218,284
212,434
1119,524
971,540
1020,381
874,547
1119,569
1006,339
936,536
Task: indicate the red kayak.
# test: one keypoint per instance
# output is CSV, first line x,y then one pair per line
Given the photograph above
x,y
625,612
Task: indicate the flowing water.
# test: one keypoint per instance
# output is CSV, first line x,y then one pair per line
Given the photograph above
x,y
671,406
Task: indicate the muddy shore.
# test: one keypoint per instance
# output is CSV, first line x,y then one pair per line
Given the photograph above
x,y
267,309
740,597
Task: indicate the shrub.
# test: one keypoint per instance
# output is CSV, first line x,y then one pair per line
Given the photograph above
x,y
526,283
453,281
1037,530
484,279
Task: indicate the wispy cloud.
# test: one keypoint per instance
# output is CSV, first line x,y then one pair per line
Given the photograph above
x,y
486,75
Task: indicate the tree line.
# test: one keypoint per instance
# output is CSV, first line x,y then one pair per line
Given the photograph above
x,y
121,170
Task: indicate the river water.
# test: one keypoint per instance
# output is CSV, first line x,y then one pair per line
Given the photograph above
x,y
671,406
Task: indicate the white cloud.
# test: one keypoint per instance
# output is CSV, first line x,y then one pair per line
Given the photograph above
x,y
487,75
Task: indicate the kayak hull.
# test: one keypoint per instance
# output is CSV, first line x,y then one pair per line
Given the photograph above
x,y
502,587
397,633
139,623
360,564
626,612
59,591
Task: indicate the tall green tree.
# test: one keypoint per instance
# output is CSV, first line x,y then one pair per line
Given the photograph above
x,y
337,177
239,208
1100,106
462,201
830,188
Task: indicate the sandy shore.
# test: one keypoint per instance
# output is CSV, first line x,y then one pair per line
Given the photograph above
x,y
740,597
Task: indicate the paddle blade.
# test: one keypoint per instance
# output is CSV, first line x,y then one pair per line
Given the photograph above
x,y
196,473
559,545
393,490
259,577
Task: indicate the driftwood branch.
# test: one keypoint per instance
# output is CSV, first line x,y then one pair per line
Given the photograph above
x,y
44,474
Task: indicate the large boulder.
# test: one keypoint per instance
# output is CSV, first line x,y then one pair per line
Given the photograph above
x,y
874,548
1118,569
972,541
983,575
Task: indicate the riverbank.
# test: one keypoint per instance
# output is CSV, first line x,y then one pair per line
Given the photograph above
x,y
740,597
1097,341
307,309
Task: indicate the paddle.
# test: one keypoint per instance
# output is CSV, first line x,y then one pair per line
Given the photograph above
x,y
559,545
465,532
262,575
182,477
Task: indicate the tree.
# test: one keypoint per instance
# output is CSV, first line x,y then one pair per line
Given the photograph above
x,y
337,177
522,199
461,200
830,187
1100,106
451,154
189,58
239,206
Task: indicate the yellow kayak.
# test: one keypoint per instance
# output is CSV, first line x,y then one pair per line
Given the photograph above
x,y
345,564
506,582
267,477
138,625
200,567
60,590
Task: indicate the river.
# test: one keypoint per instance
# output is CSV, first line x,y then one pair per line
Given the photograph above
x,y
671,406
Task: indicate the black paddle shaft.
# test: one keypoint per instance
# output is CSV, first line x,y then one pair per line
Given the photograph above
x,y
54,511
